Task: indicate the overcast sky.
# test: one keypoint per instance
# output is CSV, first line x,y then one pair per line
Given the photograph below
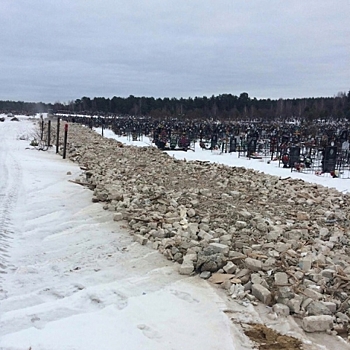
x,y
61,50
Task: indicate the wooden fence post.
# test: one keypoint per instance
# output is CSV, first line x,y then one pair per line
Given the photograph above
x,y
58,134
49,134
65,140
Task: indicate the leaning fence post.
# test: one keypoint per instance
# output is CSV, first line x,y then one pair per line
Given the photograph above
x,y
42,129
58,134
65,140
49,134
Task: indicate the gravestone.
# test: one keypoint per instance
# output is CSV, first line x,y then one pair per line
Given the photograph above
x,y
329,159
233,145
213,142
251,144
294,156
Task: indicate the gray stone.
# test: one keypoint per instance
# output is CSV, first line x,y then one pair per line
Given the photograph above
x,y
230,267
282,247
205,235
317,323
262,227
281,309
294,304
281,278
253,264
268,264
331,306
305,264
191,212
140,239
118,216
204,227
219,248
237,291
219,232
160,233
236,255
255,278
311,293
241,224
306,302
342,317
323,231
187,266
192,228
316,308
226,237
210,262
272,236
116,196
205,275
328,273
262,294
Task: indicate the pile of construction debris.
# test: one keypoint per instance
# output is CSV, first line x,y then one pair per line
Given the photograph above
x,y
280,241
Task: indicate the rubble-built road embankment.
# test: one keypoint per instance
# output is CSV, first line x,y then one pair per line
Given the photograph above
x,y
280,241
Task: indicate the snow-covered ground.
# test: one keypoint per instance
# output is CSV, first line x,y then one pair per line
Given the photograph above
x,y
73,279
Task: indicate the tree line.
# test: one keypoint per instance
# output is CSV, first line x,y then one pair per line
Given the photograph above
x,y
221,107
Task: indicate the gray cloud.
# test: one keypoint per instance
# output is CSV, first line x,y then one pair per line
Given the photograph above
x,y
59,51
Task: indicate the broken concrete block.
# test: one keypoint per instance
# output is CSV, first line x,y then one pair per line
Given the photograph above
x,y
205,275
118,217
256,278
186,268
328,273
140,239
331,306
342,317
317,323
253,264
305,264
281,278
191,212
240,224
230,267
262,294
281,309
294,304
192,229
316,308
219,248
313,294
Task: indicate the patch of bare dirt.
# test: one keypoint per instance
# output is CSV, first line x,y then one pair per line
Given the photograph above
x,y
268,339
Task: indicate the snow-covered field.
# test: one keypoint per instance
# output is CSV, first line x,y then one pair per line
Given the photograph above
x,y
72,278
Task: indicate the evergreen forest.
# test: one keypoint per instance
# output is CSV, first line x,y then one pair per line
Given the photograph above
x,y
221,107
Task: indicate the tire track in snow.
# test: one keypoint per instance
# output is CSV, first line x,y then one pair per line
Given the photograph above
x,y
10,181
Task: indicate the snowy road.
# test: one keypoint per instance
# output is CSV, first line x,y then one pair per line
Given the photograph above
x,y
10,181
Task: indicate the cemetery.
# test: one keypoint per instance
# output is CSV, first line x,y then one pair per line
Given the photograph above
x,y
321,148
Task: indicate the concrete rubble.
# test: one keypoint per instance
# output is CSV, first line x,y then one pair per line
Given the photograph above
x,y
280,241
